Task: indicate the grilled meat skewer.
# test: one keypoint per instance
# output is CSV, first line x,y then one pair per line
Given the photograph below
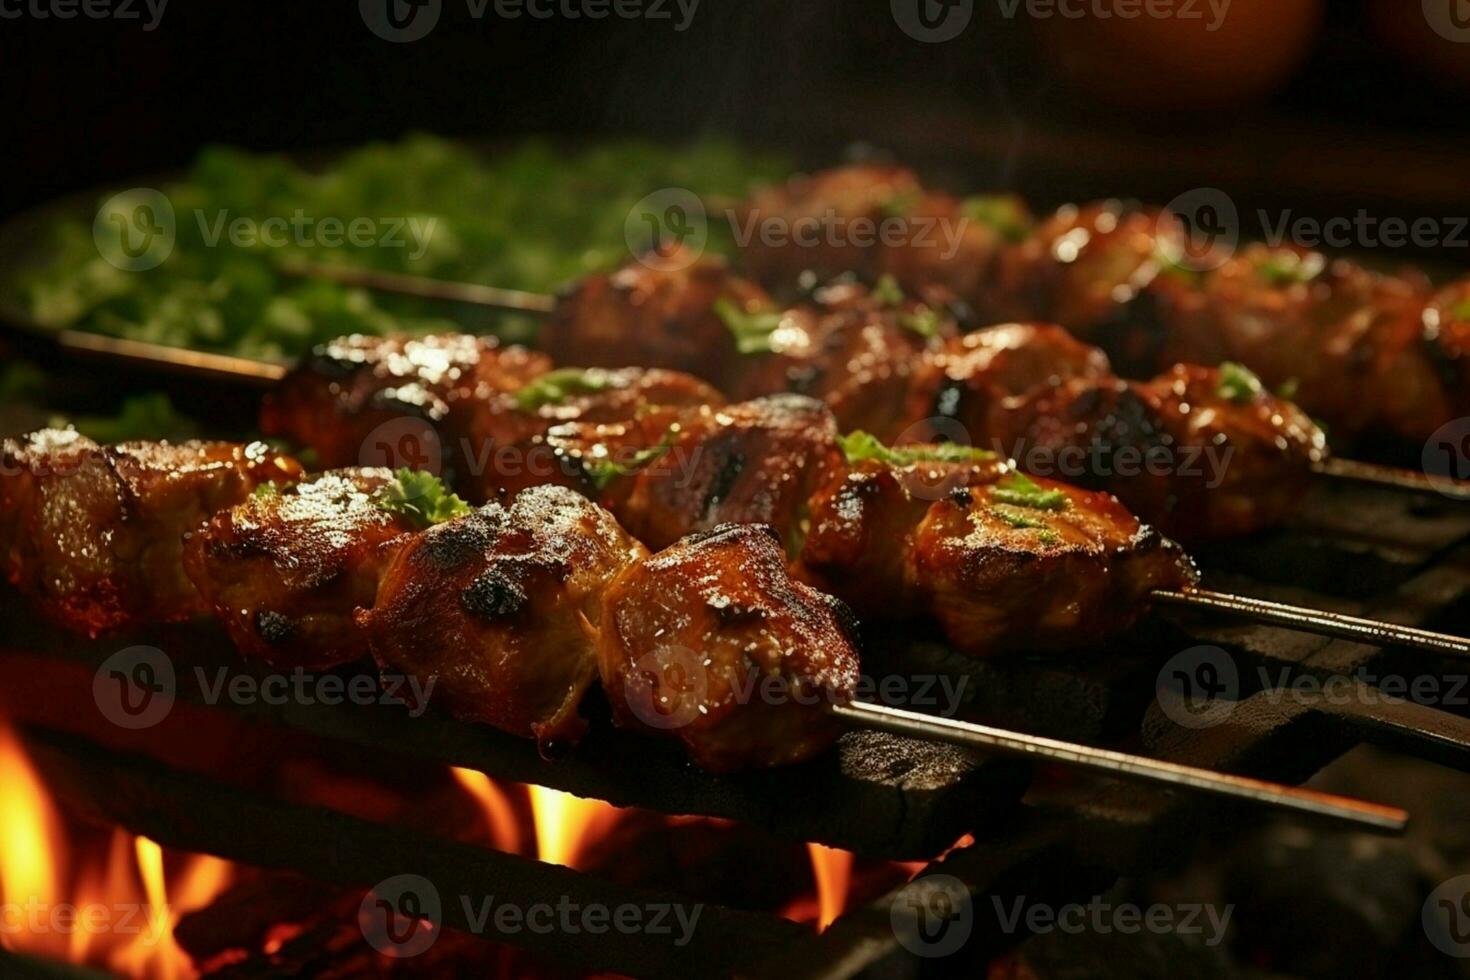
x,y
727,595
94,533
1200,453
1371,354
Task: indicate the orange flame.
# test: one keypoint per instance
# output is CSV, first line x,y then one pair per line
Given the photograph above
x,y
505,827
567,824
111,911
832,869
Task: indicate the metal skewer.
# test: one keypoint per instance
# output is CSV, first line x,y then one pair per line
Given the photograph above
x,y
469,293
1392,477
540,304
1371,631
1370,816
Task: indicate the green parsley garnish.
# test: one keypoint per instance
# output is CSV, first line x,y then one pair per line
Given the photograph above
x,y
557,386
752,331
1288,388
1004,215
1462,311
1280,271
859,446
266,491
1238,383
1022,491
421,497
901,204
923,321
603,471
1018,520
886,291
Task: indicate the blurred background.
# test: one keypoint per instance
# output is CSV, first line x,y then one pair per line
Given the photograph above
x,y
1303,99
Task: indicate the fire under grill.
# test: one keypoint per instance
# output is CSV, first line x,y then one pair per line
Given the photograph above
x,y
1355,550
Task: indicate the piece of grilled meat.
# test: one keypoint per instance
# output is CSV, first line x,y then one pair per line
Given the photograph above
x,y
506,432
712,642
499,611
285,571
1002,562
662,317
852,348
1198,452
95,533
672,473
1351,343
390,401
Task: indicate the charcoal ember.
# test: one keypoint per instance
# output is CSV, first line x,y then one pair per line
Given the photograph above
x,y
242,916
1318,904
1091,955
705,860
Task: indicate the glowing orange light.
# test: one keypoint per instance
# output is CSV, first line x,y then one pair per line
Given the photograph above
x,y
505,828
566,824
832,869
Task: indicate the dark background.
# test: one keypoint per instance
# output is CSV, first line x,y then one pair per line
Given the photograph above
x,y
1361,114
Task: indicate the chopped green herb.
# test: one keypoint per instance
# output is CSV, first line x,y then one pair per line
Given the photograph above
x,y
901,204
1022,491
603,471
923,321
1281,271
421,497
557,386
147,416
752,331
887,291
1462,310
1238,383
1003,214
266,490
859,446
1287,389
1018,520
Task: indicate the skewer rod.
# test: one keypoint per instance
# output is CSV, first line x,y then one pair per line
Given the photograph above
x,y
1369,816
1370,631
1391,477
472,294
